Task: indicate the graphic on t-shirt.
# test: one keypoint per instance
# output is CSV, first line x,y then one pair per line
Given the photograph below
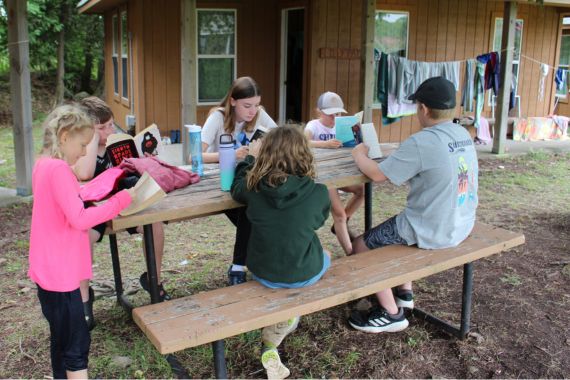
x,y
326,136
462,181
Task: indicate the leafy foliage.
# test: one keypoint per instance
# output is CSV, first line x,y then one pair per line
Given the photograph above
x,y
83,41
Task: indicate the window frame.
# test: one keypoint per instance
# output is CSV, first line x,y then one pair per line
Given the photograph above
x,y
376,105
491,97
115,53
213,56
562,27
124,55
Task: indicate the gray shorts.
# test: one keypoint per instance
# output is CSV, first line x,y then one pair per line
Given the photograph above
x,y
386,233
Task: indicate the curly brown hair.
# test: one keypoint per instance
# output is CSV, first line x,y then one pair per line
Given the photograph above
x,y
285,151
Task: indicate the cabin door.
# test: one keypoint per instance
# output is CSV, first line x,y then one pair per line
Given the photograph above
x,y
291,67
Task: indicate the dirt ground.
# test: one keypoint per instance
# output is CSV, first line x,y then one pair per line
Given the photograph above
x,y
520,301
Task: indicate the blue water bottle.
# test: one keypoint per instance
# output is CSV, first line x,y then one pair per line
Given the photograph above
x,y
227,161
195,146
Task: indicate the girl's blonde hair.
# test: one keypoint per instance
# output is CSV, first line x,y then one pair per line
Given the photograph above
x,y
242,88
66,118
285,151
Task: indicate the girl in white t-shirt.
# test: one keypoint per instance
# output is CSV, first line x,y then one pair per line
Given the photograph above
x,y
238,114
322,134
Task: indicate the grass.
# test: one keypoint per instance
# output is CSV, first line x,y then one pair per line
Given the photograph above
x,y
7,154
196,259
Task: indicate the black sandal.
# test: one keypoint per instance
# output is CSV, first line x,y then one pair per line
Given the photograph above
x,y
162,294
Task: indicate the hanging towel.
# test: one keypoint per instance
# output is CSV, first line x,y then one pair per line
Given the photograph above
x,y
543,73
382,88
468,86
479,91
483,131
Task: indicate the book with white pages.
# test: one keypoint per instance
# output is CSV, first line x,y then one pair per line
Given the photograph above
x,y
370,138
147,192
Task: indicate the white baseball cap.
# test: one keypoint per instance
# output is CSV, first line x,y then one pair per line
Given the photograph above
x,y
330,103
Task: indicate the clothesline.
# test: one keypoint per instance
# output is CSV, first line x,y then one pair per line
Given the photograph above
x,y
521,55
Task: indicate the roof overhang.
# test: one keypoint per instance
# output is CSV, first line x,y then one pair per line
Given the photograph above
x,y
98,6
547,3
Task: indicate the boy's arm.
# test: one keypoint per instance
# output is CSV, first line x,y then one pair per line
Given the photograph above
x,y
84,168
332,143
367,166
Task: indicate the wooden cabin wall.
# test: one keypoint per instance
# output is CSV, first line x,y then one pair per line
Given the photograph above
x,y
439,30
257,48
160,59
464,29
334,24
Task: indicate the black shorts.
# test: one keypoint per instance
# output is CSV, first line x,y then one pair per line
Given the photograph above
x,y
386,233
69,334
103,226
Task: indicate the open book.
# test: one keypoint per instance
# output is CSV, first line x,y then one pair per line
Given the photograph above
x,y
147,193
348,129
122,145
370,138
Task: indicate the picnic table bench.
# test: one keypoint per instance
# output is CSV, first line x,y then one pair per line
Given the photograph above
x,y
221,313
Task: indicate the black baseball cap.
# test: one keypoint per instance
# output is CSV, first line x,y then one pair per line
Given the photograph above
x,y
437,93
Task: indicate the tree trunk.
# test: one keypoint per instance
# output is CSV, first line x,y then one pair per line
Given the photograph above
x,y
86,74
60,86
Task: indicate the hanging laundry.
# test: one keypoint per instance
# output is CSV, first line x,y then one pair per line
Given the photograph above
x,y
405,76
560,79
483,132
479,91
468,86
492,70
544,68
382,88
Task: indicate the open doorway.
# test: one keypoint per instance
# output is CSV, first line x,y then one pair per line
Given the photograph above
x,y
291,70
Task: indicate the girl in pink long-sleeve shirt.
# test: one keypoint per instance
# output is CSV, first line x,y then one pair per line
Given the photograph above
x,y
59,241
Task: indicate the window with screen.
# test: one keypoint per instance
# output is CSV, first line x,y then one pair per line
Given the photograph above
x,y
216,53
390,37
124,55
115,53
564,60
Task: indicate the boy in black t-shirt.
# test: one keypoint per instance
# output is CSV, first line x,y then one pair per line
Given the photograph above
x,y
89,166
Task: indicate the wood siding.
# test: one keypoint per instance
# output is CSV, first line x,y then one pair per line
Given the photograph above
x,y
439,30
257,48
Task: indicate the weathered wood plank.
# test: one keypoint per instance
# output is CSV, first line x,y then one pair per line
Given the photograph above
x,y
335,168
221,313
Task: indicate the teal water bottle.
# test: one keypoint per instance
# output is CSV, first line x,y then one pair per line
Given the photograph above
x,y
227,161
195,147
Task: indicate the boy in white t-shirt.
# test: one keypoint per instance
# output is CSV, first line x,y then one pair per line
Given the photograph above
x,y
322,134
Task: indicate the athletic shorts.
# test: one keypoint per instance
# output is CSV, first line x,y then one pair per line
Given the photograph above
x,y
69,335
386,233
300,284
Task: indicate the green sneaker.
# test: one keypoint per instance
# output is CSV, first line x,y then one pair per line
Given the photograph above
x,y
272,364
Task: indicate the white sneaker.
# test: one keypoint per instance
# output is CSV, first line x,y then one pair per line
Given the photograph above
x,y
272,364
378,321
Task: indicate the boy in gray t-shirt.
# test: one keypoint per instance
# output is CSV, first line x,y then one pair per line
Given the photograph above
x,y
440,165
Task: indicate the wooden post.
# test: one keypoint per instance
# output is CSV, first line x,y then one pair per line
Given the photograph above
x,y
20,90
188,70
507,51
367,59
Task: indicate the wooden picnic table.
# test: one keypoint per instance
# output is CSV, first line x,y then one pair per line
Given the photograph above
x,y
335,168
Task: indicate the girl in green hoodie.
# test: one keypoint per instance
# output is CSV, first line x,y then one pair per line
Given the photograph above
x,y
285,207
